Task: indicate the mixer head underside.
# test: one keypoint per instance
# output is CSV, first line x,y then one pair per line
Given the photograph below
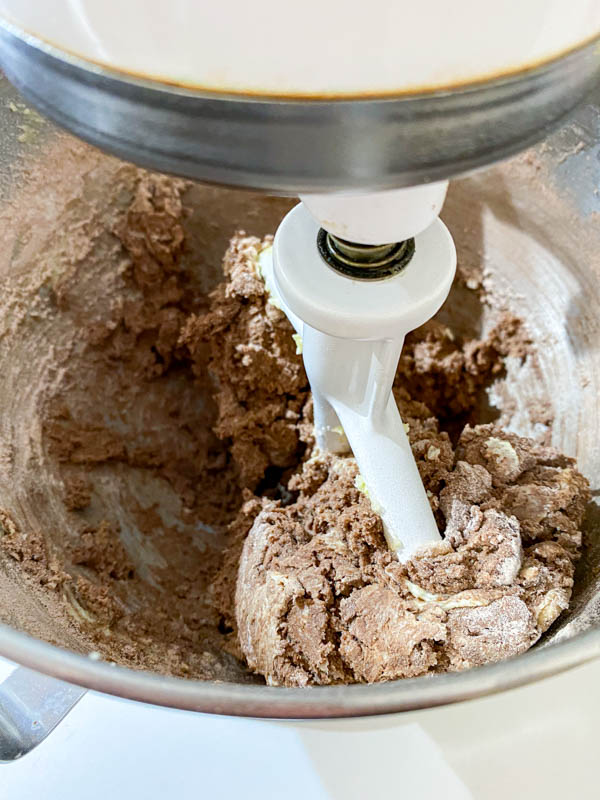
x,y
292,146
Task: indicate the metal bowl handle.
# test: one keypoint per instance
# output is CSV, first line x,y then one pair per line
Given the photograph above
x,y
31,706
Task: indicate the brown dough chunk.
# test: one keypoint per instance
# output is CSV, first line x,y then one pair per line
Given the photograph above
x,y
262,386
320,599
502,629
449,373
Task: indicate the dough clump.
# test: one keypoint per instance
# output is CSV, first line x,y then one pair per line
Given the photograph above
x,y
308,585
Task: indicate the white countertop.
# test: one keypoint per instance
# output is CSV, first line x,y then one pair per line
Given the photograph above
x,y
535,742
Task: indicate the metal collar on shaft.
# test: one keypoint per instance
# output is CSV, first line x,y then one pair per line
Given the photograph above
x,y
364,261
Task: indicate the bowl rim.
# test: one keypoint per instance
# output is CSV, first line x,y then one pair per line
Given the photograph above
x,y
313,702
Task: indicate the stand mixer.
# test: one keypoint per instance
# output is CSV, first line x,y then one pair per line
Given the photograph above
x,y
367,142
352,305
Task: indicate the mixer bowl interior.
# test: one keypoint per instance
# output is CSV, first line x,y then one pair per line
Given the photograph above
x,y
527,243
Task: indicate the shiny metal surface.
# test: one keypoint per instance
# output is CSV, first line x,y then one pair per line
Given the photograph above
x,y
532,222
293,146
364,262
31,706
317,702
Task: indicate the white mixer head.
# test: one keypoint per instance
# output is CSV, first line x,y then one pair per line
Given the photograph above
x,y
315,49
393,94
378,217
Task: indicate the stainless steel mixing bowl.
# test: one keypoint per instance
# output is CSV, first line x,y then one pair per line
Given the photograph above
x,y
532,224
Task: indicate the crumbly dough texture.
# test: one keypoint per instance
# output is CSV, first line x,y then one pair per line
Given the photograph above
x,y
167,531
263,388
319,598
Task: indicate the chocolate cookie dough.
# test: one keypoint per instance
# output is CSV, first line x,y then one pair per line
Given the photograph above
x,y
157,464
319,598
